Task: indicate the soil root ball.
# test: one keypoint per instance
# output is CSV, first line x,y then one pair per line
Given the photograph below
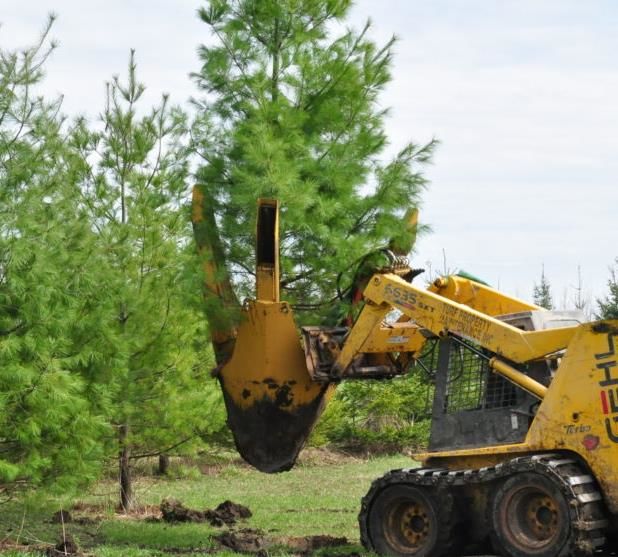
x,y
227,513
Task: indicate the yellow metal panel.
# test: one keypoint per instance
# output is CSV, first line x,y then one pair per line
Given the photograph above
x,y
268,360
479,296
461,454
580,411
272,404
369,320
398,337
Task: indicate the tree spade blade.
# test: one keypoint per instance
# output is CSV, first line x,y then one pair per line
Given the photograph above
x,y
272,404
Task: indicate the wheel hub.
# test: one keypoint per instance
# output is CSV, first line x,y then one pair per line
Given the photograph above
x,y
531,518
414,524
543,517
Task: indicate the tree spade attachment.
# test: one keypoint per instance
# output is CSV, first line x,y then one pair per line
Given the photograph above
x,y
272,403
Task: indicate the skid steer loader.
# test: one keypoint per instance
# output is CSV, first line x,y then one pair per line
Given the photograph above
x,y
523,451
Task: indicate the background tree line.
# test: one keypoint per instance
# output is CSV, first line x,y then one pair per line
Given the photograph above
x,y
104,348
605,307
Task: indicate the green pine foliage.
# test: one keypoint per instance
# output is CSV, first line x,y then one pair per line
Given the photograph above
x,y
48,433
134,181
378,415
290,110
541,294
608,306
372,415
102,342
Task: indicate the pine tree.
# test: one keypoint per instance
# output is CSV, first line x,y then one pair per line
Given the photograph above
x,y
542,293
134,187
608,306
49,433
291,111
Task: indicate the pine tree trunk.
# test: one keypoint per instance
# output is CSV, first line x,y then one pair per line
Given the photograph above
x,y
124,469
164,464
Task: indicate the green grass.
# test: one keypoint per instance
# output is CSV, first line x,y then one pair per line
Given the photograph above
x,y
312,499
158,535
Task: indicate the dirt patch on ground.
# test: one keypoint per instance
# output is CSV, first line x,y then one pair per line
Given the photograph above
x,y
61,517
308,544
244,541
313,456
66,546
254,541
227,513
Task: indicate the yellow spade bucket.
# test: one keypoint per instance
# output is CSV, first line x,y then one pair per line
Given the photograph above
x,y
272,403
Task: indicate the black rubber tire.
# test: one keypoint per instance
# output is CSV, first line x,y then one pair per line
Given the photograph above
x,y
529,517
612,537
387,514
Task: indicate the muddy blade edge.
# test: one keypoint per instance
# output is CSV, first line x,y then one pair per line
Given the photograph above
x,y
268,436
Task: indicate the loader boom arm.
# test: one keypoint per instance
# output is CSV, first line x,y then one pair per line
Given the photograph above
x,y
442,316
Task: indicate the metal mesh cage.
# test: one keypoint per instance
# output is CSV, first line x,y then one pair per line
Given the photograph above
x,y
471,385
428,363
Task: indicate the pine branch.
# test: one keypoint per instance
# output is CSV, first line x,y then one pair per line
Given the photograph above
x,y
332,83
163,451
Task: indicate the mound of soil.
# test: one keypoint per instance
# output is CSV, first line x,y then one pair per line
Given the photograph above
x,y
64,547
61,516
254,541
230,512
227,513
308,544
173,510
244,541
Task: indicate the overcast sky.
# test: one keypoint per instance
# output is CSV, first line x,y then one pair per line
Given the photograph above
x,y
523,95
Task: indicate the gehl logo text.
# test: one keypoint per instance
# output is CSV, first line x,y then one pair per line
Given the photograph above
x,y
606,363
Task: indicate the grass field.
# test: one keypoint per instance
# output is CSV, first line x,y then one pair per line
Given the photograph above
x,y
321,496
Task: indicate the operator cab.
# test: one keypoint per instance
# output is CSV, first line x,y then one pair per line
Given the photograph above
x,y
473,406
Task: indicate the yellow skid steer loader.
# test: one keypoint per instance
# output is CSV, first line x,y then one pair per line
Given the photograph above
x,y
524,439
